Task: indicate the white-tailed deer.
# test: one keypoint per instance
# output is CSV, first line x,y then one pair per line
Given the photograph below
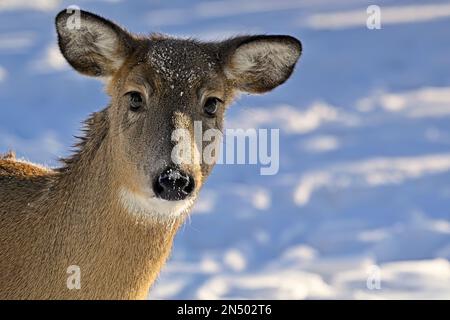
x,y
114,206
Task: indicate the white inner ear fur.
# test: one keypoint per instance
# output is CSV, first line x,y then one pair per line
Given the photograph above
x,y
95,37
142,205
268,57
107,44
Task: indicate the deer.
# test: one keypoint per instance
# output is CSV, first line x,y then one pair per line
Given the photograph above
x,y
113,207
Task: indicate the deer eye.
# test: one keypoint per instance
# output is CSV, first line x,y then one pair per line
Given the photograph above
x,y
211,106
136,101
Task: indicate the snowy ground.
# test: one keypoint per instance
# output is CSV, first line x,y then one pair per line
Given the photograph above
x,y
360,207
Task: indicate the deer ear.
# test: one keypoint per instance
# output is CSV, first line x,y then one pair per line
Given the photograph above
x,y
91,44
257,64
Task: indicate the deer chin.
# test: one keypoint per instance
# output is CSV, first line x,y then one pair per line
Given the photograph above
x,y
146,204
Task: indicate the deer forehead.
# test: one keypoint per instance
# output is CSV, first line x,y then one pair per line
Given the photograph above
x,y
180,62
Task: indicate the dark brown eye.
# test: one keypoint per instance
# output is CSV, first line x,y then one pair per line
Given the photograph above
x,y
136,101
211,106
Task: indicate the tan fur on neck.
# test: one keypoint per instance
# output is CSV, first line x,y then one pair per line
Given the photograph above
x,y
73,217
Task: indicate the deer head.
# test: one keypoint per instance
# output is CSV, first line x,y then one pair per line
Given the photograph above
x,y
159,84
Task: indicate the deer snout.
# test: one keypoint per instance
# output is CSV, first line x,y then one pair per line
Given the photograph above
x,y
173,184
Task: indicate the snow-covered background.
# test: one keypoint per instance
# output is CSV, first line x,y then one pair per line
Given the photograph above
x,y
363,190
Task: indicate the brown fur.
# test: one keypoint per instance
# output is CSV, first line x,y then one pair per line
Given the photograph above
x,y
71,218
51,219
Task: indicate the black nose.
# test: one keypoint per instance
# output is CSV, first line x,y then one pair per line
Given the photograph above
x,y
173,184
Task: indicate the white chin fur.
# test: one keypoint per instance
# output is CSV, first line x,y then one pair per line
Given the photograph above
x,y
139,204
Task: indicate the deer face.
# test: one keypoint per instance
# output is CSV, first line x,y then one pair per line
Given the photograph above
x,y
159,85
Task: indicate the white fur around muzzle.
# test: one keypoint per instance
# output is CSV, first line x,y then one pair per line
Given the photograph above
x,y
139,204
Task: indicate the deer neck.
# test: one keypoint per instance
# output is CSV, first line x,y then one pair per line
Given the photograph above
x,y
120,252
